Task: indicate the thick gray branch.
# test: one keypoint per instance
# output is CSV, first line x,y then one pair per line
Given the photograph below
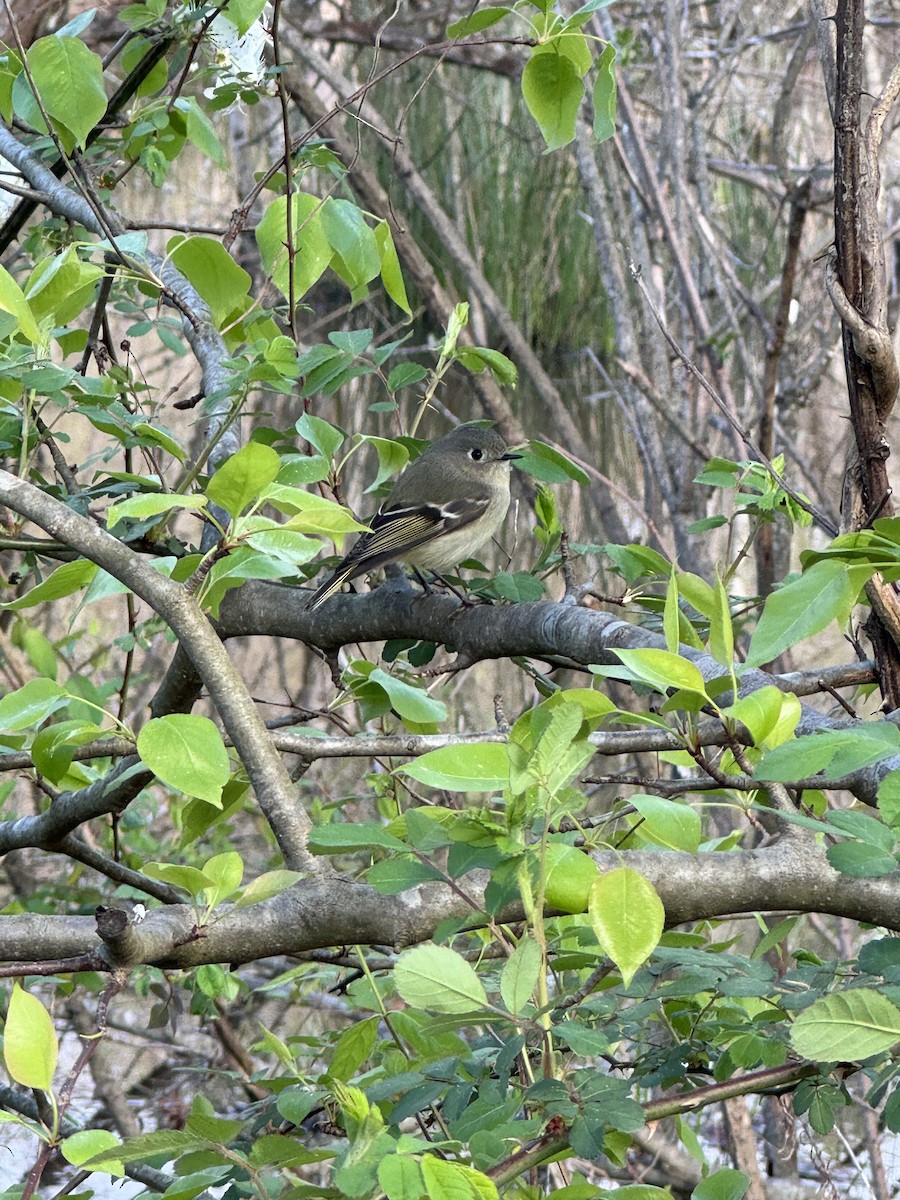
x,y
791,875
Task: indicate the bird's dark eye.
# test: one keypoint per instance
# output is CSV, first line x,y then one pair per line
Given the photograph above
x,y
478,455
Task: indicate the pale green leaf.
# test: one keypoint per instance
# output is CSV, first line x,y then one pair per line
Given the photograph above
x,y
243,477
803,607
628,918
468,767
79,1147
186,751
69,79
553,92
439,979
520,974
31,704
445,1180
30,1048
668,823
605,95
847,1026
151,504
270,883
409,702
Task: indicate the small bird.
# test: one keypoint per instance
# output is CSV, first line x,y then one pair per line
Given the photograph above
x,y
442,509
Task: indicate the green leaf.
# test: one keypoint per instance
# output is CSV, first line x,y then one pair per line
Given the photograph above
x,y
349,236
286,545
53,747
201,131
351,838
770,715
553,92
803,607
476,358
409,702
405,375
467,767
244,13
399,873
270,883
69,79
392,458
724,1184
482,19
400,1177
151,504
242,478
834,752
671,615
30,1048
79,1147
189,879
12,301
186,751
310,513
889,800
547,463
861,860
312,250
847,1026
569,875
226,870
391,273
439,979
520,974
326,438
446,1180
661,669
628,918
605,95
863,826
353,1048
206,264
61,285
668,823
31,704
169,1143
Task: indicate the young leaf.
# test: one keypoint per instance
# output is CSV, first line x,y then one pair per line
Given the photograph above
x,y
409,702
391,274
468,767
803,607
30,1048
151,504
439,979
847,1026
662,670
312,250
69,79
241,478
31,704
605,95
79,1147
186,751
553,91
520,975
628,918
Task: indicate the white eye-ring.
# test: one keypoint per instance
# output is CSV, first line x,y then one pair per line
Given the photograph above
x,y
478,455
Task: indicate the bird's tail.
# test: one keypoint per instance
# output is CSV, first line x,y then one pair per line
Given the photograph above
x,y
331,586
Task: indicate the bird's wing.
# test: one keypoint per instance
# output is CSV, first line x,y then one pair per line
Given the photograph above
x,y
401,528
396,530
